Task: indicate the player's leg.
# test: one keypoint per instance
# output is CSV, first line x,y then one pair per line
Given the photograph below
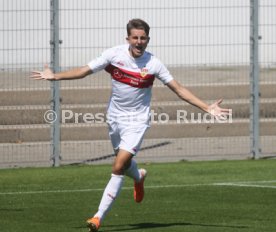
x,y
126,141
133,171
131,140
112,190
138,175
128,137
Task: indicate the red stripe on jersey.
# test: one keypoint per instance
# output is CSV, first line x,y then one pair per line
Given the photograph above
x,y
133,79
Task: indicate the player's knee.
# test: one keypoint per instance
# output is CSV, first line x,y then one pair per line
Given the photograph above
x,y
118,169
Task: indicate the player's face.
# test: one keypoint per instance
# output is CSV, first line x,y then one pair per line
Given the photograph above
x,y
138,41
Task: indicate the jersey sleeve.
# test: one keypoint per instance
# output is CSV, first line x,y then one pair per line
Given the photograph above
x,y
163,73
101,61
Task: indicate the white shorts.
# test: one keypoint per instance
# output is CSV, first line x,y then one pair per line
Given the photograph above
x,y
127,136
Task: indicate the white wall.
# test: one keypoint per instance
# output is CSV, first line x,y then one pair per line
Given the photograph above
x,y
183,32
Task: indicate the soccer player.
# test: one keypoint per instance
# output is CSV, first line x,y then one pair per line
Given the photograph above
x,y
133,71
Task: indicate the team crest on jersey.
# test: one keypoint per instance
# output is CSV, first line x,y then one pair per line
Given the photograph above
x,y
144,72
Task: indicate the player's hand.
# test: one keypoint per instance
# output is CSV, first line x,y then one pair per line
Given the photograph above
x,y
46,74
217,112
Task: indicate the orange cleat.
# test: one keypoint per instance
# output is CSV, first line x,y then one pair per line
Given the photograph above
x,y
139,187
93,224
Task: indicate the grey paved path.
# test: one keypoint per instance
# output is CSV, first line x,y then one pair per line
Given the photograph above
x,y
153,150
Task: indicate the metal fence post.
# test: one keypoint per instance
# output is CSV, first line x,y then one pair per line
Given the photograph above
x,y
55,94
254,79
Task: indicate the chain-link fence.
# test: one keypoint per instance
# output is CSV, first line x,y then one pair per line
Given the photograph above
x,y
205,45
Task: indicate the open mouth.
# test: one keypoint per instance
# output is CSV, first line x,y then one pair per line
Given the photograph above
x,y
139,48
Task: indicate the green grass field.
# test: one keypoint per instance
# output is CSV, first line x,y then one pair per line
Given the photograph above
x,y
224,196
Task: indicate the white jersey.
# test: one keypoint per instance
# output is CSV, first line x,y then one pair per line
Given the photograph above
x,y
132,80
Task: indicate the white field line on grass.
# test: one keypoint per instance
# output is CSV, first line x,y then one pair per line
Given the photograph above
x,y
245,185
254,184
99,189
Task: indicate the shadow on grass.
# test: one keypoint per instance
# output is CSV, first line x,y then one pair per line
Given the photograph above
x,y
11,210
153,225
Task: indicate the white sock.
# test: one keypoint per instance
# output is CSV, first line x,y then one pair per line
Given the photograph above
x,y
111,191
133,171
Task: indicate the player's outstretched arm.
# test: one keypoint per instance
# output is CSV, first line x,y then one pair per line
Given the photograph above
x,y
47,74
213,109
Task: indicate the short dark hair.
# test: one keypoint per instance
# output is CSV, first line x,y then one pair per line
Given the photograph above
x,y
137,24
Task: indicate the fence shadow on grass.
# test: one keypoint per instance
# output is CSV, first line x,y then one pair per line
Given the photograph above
x,y
154,225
